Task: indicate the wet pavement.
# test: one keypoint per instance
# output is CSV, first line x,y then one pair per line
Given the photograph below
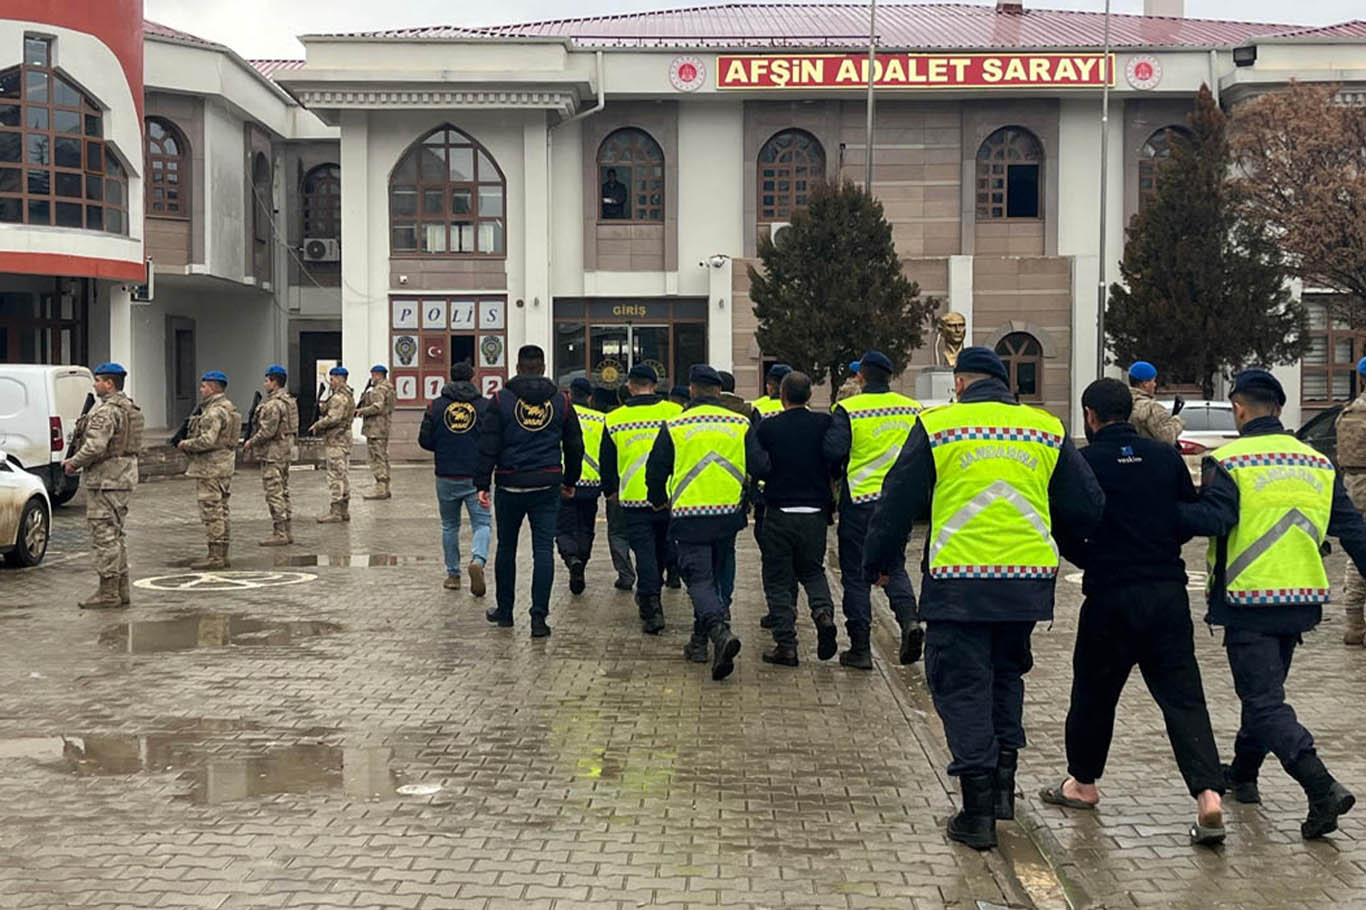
x,y
324,725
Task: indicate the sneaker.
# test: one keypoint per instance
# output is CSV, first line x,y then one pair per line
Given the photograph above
x,y
503,622
452,583
476,570
622,584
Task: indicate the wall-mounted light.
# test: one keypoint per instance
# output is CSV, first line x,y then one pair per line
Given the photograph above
x,y
520,303
1245,56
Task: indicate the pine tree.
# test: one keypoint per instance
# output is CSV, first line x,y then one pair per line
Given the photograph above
x,y
1204,290
832,287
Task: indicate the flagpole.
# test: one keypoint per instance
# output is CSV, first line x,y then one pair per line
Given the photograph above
x,y
872,69
1101,290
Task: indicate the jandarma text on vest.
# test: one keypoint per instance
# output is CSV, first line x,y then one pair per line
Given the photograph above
x,y
983,452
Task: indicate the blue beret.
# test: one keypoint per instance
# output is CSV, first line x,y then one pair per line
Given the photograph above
x,y
643,372
581,386
981,360
876,359
1259,380
110,369
380,368
276,370
215,376
707,375
338,371
1361,366
778,371
853,366
1142,370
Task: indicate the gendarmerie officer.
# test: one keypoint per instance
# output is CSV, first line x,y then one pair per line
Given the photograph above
x,y
1149,418
993,476
1351,435
211,444
578,519
376,409
532,441
335,423
605,401
866,435
630,433
697,468
276,424
1268,500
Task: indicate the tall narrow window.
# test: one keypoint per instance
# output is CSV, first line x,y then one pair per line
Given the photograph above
x,y
1157,149
1009,175
789,164
321,197
1023,358
447,198
631,171
167,170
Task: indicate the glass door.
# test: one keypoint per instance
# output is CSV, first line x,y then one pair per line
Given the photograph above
x,y
609,354
650,344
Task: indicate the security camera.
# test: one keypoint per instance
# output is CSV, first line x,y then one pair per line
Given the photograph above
x,y
701,263
402,279
717,260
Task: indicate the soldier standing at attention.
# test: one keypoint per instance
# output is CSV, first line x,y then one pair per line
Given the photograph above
x,y
1149,417
1351,430
211,444
276,427
107,441
375,409
338,411
579,515
851,386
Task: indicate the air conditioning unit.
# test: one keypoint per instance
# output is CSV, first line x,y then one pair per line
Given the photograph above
x,y
777,229
322,249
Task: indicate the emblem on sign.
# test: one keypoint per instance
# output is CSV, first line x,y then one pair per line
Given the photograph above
x,y
491,346
533,417
607,373
405,346
1143,73
686,74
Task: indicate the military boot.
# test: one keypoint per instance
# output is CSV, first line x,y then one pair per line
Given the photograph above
x,y
725,647
125,590
652,615
346,509
1327,798
278,537
333,516
217,558
1241,778
1006,762
696,648
975,824
106,596
860,655
1354,633
381,491
576,580
826,643
912,641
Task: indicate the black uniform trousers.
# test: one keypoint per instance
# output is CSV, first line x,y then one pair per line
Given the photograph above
x,y
1149,626
1260,663
618,544
793,551
577,525
976,674
648,533
701,565
858,588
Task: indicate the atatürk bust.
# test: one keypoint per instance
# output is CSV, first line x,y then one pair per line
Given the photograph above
x,y
953,328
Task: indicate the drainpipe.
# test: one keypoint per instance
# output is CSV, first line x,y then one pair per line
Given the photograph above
x,y
550,163
1214,74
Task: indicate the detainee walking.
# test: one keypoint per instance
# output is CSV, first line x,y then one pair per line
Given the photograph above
x,y
450,431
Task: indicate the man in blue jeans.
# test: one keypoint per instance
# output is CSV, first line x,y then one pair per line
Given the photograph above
x,y
532,443
450,429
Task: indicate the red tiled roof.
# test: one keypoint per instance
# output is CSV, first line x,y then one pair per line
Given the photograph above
x,y
1354,29
269,68
845,24
157,30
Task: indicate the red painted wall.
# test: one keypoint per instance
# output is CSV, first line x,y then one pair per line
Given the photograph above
x,y
118,23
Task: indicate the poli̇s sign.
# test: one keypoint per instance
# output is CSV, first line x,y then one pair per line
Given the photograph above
x,y
914,71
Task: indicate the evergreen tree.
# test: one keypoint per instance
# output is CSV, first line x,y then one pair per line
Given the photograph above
x,y
832,287
1204,289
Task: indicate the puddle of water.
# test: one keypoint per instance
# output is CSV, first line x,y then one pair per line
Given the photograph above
x,y
353,560
210,630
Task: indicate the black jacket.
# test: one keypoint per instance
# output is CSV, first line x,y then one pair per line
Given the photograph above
x,y
800,475
1140,535
529,447
1074,500
450,428
699,528
1215,514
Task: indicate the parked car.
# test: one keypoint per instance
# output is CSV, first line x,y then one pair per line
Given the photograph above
x,y
25,514
1321,432
1208,425
39,406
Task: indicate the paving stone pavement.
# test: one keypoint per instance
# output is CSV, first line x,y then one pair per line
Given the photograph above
x,y
364,738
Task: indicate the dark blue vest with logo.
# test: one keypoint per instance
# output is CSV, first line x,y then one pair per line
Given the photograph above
x,y
531,432
457,435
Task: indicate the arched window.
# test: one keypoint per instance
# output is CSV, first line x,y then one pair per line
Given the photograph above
x,y
263,207
168,163
1009,175
631,170
1023,356
1157,148
54,166
321,197
447,198
789,164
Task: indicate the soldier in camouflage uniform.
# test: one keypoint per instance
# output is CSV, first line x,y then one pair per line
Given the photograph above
x,y
1351,430
106,444
211,443
276,426
1149,417
375,406
337,413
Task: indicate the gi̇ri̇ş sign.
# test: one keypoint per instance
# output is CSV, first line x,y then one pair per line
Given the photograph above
x,y
914,71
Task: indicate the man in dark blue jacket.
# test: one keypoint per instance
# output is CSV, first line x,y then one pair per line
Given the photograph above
x,y
450,429
531,439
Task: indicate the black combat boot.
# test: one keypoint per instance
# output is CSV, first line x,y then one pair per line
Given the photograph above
x,y
860,655
696,648
975,824
576,580
912,641
826,644
1327,798
538,627
500,619
725,646
672,579
1006,762
1241,778
768,620
651,614
782,655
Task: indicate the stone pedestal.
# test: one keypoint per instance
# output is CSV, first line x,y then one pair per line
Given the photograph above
x,y
934,385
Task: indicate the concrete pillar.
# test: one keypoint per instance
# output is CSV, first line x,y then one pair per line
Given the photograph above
x,y
535,238
121,333
364,324
720,311
960,291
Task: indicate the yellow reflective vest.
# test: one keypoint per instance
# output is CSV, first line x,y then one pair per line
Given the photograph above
x,y
633,429
879,423
990,517
1285,499
709,461
593,423
767,406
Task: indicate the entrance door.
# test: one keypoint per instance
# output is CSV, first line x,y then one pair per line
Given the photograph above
x,y
614,349
182,379
313,346
650,344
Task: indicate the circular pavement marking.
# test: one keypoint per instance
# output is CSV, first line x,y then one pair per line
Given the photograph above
x,y
1195,581
223,580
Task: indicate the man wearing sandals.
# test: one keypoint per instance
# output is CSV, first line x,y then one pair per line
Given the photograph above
x,y
1137,611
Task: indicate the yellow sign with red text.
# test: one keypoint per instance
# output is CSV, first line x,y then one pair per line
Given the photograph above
x,y
914,71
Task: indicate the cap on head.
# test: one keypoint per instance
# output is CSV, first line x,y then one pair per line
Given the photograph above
x,y
215,376
339,371
276,370
727,380
110,368
380,368
876,359
1259,382
643,372
1361,366
1142,371
778,371
704,374
981,360
581,386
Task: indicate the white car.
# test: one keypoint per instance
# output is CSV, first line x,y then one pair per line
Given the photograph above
x,y
25,514
1208,425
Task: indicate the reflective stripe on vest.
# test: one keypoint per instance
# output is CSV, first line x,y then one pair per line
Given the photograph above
x,y
592,423
990,517
633,429
767,406
1285,499
709,461
879,423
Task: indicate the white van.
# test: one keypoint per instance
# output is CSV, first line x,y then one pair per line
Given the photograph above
x,y
39,406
